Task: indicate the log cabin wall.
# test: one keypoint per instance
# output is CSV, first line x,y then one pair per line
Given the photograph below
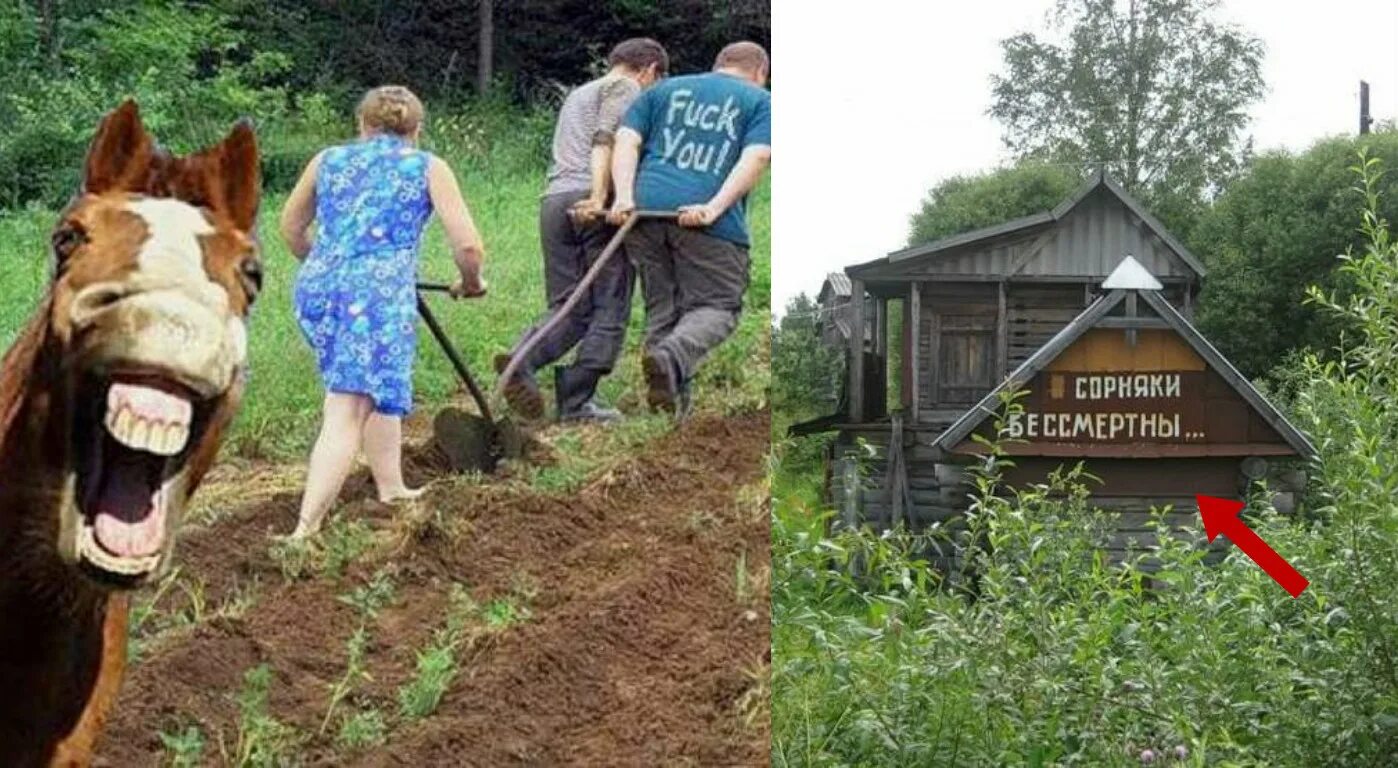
x,y
986,304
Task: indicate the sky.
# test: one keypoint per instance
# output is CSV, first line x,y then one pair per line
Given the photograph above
x,y
874,107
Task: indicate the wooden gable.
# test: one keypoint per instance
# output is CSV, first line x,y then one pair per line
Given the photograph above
x,y
1129,378
1103,396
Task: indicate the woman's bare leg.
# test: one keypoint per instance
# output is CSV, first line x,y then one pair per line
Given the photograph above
x,y
341,432
383,447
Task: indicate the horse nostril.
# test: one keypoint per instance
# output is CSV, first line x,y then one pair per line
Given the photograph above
x,y
95,298
251,275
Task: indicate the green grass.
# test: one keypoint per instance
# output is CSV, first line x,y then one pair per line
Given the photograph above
x,y
282,406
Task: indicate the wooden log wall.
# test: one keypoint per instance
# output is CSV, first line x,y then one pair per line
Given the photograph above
x,y
1035,312
939,494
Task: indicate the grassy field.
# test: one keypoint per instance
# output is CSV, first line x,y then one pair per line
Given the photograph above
x,y
280,414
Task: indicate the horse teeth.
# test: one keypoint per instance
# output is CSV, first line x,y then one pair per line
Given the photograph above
x,y
160,439
140,435
131,419
121,426
179,437
172,440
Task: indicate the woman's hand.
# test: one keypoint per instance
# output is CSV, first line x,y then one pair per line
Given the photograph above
x,y
469,286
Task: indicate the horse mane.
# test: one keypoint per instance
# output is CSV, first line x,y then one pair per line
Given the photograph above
x,y
17,366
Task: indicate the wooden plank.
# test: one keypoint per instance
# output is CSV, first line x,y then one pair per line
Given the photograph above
x,y
914,363
932,366
856,351
1033,250
881,329
1130,315
1002,343
906,360
1133,323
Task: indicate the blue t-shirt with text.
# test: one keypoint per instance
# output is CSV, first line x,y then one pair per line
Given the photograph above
x,y
694,128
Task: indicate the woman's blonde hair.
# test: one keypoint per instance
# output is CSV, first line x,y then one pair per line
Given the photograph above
x,y
390,109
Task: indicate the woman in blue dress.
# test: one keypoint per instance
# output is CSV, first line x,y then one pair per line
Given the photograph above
x,y
355,298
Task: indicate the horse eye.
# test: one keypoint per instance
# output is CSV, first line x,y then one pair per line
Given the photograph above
x,y
66,239
250,272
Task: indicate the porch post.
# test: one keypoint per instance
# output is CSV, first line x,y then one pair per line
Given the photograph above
x,y
915,342
856,350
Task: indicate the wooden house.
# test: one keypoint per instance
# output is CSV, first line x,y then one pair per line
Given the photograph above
x,y
833,301
1087,308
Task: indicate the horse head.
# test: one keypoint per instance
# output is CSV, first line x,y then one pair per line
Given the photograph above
x,y
155,268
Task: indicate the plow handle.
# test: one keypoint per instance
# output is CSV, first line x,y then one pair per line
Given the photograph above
x,y
456,362
521,353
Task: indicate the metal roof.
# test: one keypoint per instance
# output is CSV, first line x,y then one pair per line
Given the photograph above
x,y
837,283
1107,233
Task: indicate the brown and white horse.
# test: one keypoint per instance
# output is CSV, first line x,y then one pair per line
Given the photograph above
x,y
113,401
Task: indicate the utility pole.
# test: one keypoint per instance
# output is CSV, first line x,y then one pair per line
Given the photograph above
x,y
1365,119
485,64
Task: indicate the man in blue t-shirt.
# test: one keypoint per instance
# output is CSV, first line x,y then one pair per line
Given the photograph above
x,y
697,144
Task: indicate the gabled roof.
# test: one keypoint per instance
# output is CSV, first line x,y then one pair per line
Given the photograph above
x,y
836,283
1130,275
1089,318
1027,224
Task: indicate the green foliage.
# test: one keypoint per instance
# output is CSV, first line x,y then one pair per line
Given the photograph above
x,y
263,740
371,597
185,748
297,70
1277,229
431,45
437,663
361,730
355,673
963,203
1058,658
806,371
368,599
173,57
1155,91
503,613
343,541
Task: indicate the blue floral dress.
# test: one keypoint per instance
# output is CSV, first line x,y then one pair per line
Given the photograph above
x,y
355,294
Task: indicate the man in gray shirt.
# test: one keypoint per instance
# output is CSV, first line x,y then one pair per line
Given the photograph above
x,y
572,231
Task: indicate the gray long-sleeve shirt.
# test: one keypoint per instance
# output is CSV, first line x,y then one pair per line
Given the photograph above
x,y
591,113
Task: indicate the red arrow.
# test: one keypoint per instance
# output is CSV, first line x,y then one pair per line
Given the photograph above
x,y
1221,516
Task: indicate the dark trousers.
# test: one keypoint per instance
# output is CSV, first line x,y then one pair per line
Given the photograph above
x,y
597,326
693,285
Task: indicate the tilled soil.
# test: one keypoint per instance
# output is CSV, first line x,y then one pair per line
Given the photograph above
x,y
646,641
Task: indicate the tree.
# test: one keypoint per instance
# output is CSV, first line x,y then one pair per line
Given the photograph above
x,y
963,203
1155,91
1276,230
485,61
805,372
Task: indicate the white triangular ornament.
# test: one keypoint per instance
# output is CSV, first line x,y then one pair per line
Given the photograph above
x,y
1131,276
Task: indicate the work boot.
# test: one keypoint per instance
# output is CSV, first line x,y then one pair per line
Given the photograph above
x,y
663,380
575,389
521,391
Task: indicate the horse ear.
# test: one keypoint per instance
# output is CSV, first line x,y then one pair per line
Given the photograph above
x,y
240,175
120,151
